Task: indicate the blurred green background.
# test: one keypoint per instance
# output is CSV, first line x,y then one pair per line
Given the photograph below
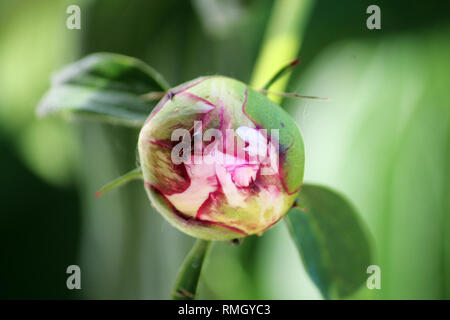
x,y
382,140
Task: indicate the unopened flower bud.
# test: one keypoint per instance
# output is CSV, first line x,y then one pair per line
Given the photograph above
x,y
220,160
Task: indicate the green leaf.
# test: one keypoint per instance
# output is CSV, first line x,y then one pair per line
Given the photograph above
x,y
331,240
187,280
104,86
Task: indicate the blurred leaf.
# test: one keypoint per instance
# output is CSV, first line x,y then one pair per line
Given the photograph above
x,y
331,241
50,149
219,18
189,274
104,86
389,151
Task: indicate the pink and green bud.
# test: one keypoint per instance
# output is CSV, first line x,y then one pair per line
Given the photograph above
x,y
220,160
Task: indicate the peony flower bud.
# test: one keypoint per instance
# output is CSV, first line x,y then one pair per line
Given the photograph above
x,y
220,160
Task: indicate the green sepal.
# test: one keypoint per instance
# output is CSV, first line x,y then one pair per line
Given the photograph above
x,y
270,115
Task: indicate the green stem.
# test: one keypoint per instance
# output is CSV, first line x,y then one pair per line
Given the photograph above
x,y
123,179
281,43
188,277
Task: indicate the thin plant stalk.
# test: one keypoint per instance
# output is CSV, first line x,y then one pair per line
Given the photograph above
x,y
188,277
120,181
